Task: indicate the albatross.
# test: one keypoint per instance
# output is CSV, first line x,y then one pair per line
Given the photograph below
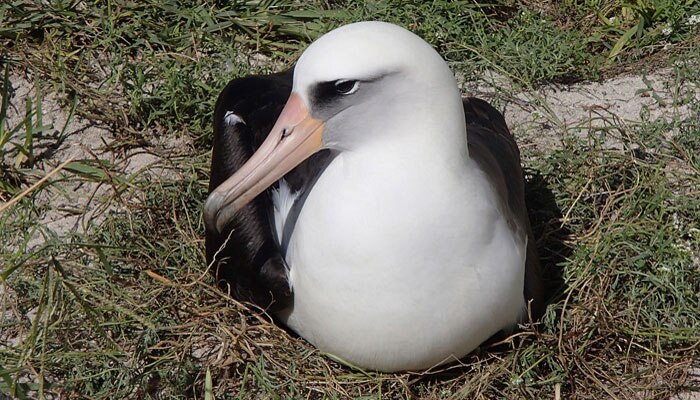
x,y
367,206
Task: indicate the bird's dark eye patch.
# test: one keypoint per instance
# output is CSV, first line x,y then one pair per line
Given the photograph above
x,y
332,91
346,86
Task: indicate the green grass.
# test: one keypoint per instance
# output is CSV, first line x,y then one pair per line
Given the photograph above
x,y
124,307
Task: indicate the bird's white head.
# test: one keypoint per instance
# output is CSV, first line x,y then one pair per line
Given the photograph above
x,y
354,88
369,80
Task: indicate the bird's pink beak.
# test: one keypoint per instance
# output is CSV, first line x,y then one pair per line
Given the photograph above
x,y
295,137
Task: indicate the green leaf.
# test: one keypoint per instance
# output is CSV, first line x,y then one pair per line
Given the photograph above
x,y
622,42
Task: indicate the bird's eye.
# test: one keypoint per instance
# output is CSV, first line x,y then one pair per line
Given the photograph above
x,y
345,86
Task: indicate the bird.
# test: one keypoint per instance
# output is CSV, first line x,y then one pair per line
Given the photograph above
x,y
359,199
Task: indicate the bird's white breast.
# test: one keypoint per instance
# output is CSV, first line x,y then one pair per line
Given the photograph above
x,y
402,266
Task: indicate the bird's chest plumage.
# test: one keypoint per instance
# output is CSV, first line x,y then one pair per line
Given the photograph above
x,y
380,265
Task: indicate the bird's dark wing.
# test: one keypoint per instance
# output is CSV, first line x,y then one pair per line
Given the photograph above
x,y
249,265
493,147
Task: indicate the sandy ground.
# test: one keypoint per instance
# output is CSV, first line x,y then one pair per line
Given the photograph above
x,y
537,118
74,206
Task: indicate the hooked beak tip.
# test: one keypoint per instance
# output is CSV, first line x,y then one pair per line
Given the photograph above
x,y
213,209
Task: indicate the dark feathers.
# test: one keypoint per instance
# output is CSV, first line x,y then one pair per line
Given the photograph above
x,y
250,266
493,147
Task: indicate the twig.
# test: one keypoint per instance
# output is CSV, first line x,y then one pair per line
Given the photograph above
x,y
35,185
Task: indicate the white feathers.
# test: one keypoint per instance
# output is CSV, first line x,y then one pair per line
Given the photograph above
x,y
282,201
230,118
